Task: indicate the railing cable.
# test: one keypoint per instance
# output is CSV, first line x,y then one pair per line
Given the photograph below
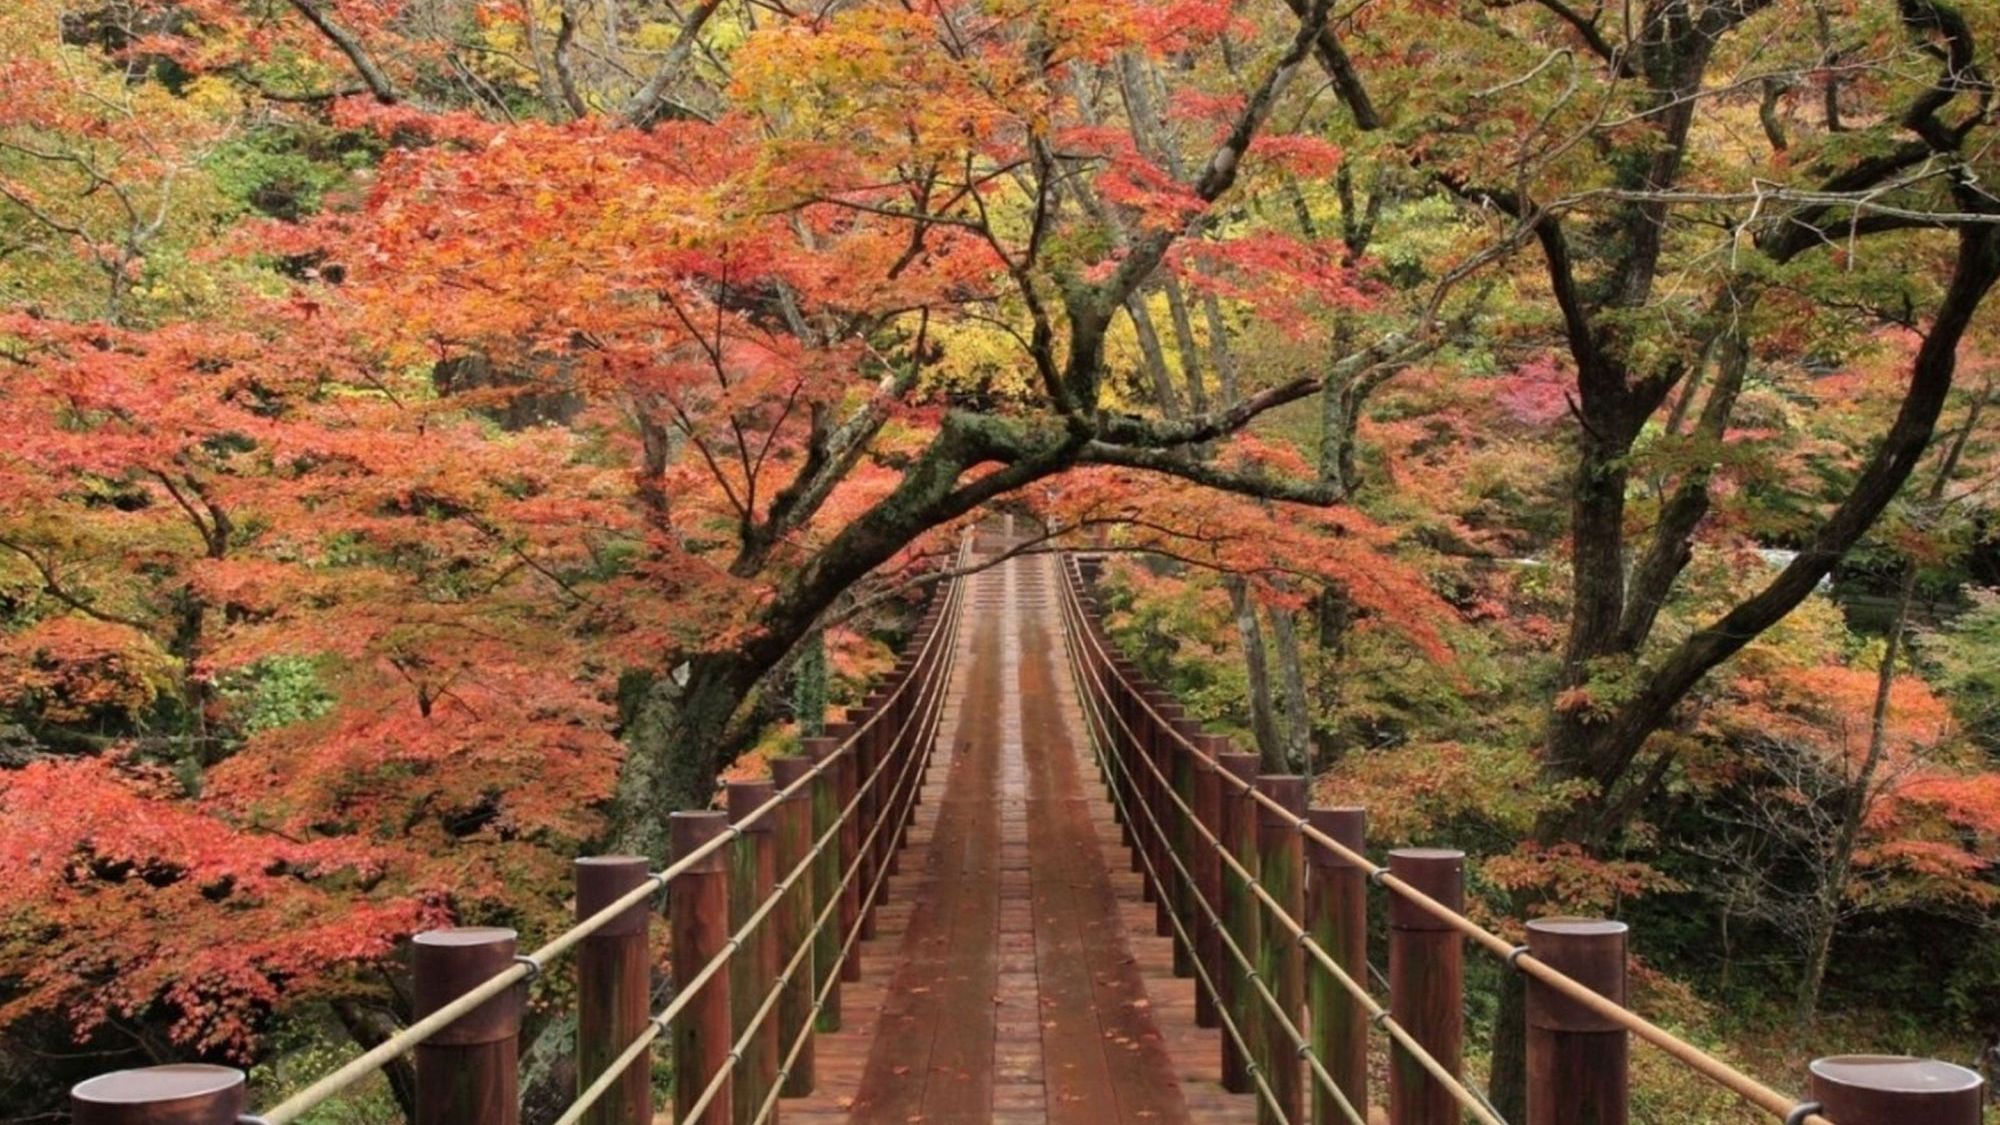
x,y
532,964
1710,1067
1107,762
922,717
775,993
1295,932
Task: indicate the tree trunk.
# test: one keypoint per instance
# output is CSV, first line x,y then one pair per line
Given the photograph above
x,y
1263,717
1507,1086
809,686
1184,346
1218,348
676,738
370,1027
1597,598
1154,355
1293,704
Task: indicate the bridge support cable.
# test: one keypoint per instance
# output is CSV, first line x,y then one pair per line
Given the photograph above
x,y
1134,706
852,931
1275,1009
1257,1074
834,840
1221,851
913,695
1274,911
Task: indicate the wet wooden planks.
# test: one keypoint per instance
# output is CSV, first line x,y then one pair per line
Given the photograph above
x,y
1013,977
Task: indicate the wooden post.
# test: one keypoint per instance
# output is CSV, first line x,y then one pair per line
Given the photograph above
x,y
1578,1061
792,922
867,751
753,971
846,781
1426,985
613,987
1337,915
889,809
1125,736
826,883
906,787
189,1094
699,905
468,1071
1160,750
911,674
1208,876
1181,838
903,747
1242,919
1132,745
1281,871
1104,681
1891,1090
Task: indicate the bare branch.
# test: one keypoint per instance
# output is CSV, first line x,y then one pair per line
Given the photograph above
x,y
357,55
645,105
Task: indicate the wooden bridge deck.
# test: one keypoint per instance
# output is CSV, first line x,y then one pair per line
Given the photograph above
x,y
1014,975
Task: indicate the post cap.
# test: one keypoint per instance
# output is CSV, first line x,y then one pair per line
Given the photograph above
x,y
179,1094
746,797
1437,872
1347,825
1896,1090
604,879
447,964
1590,951
691,830
1289,791
787,772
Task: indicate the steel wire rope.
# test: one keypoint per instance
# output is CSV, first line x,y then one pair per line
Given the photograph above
x,y
926,712
531,965
923,715
929,706
1299,936
1708,1066
807,1027
1098,741
776,992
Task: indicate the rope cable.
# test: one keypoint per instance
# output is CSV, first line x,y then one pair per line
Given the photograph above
x,y
1378,1015
1100,737
924,718
1735,1081
532,964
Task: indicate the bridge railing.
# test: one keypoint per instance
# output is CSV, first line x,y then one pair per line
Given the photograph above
x,y
1266,901
765,901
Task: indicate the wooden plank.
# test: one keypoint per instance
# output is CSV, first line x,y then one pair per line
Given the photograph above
x,y
933,1050
1014,976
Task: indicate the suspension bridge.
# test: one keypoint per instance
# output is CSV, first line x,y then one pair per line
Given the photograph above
x,y
1019,885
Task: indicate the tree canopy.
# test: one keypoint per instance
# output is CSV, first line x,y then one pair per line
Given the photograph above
x,y
442,434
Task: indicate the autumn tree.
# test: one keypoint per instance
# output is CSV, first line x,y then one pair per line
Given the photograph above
x,y
1680,255
761,291
515,444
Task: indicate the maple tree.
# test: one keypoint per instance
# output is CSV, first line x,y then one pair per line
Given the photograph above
x,y
441,430
1610,182
380,536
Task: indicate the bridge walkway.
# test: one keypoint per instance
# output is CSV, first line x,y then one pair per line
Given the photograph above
x,y
1014,976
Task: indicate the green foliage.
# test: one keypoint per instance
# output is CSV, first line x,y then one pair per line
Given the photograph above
x,y
1966,652
282,173
305,1050
277,691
